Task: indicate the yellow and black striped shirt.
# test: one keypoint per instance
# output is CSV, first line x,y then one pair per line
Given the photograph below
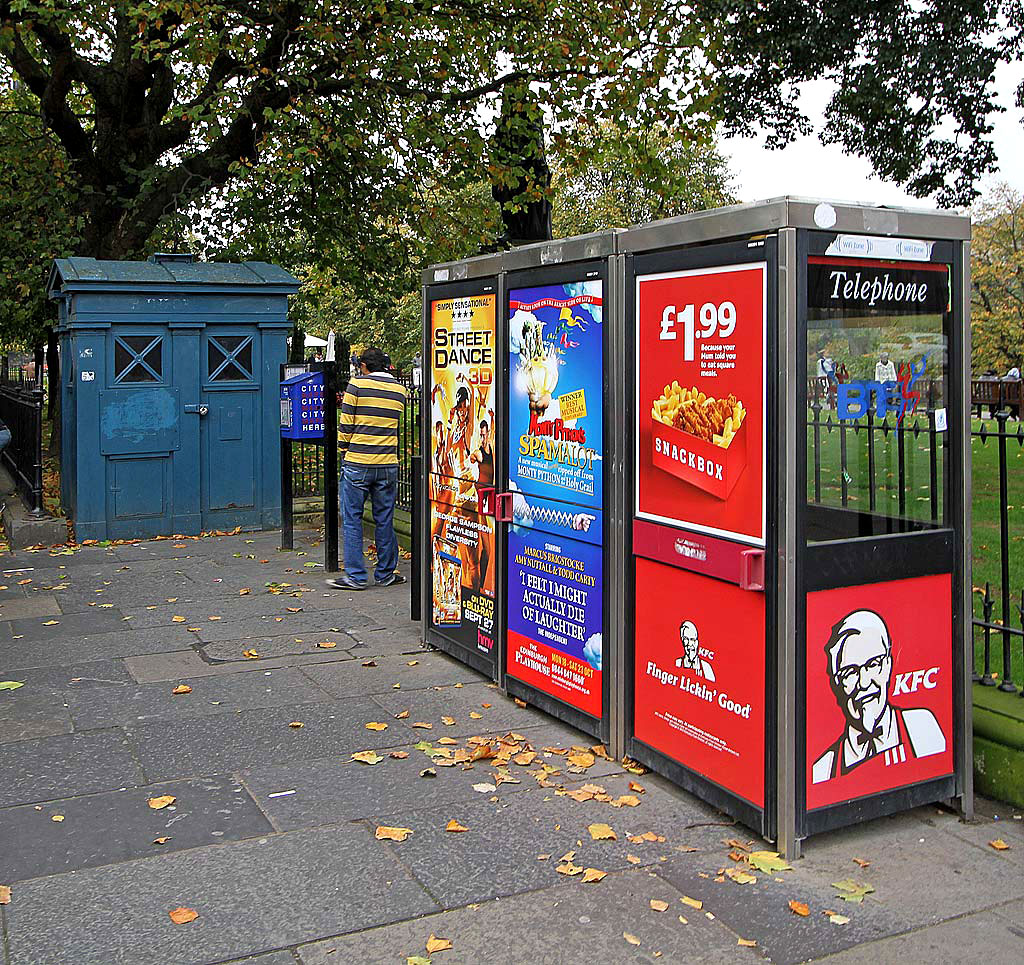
x,y
370,410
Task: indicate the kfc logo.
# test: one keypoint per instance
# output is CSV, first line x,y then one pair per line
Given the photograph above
x,y
860,665
691,658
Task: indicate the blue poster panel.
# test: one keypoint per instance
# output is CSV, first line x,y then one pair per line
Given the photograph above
x,y
556,396
555,616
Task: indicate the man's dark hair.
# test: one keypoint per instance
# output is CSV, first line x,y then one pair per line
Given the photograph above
x,y
374,359
483,423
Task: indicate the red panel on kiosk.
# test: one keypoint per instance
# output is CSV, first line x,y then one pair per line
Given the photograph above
x,y
700,399
879,687
700,675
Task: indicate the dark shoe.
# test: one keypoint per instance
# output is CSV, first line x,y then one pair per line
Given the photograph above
x,y
345,582
392,580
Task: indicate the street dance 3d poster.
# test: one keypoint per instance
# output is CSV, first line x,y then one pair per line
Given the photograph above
x,y
556,404
462,392
879,688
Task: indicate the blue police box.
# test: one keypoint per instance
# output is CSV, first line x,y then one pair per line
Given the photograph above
x,y
302,406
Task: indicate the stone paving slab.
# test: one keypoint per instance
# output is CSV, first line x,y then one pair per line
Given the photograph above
x,y
279,645
29,653
568,923
40,605
930,874
274,958
170,749
37,713
984,936
228,608
67,626
262,894
102,706
106,828
376,643
760,911
337,789
151,668
65,766
75,676
493,859
353,678
458,702
265,627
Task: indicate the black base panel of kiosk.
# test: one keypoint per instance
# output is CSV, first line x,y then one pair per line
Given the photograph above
x,y
717,796
878,805
478,661
596,728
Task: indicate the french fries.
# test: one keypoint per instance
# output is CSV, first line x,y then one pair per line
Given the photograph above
x,y
713,420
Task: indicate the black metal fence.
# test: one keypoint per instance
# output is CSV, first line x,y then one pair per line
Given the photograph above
x,y
308,457
21,409
907,485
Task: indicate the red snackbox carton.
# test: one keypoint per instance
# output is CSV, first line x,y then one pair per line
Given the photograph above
x,y
701,464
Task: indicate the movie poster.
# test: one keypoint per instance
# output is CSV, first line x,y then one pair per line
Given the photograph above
x,y
462,576
700,400
462,391
555,616
700,675
879,688
556,396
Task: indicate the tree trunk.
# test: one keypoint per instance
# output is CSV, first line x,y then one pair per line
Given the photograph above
x,y
298,349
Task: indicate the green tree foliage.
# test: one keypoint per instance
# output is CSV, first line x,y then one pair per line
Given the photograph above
x,y
997,282
616,178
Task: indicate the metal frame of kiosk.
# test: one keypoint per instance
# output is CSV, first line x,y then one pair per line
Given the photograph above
x,y
764,645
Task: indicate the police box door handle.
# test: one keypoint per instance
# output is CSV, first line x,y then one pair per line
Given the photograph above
x,y
503,507
197,409
752,570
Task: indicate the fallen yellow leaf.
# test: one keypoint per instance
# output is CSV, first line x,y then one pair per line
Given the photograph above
x,y
182,916
746,943
296,724
435,944
182,689
454,825
326,645
591,875
245,591
569,869
799,908
51,623
399,755
447,741
474,714
582,760
392,834
58,818
862,862
448,720
632,939
633,786
376,725
157,803
5,894
522,703
411,663
633,859
162,840
658,905
402,715
367,757
692,902
999,844
177,619
602,832
423,724
250,655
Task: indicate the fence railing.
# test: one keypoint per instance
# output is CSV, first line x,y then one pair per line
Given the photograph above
x,y
21,409
907,485
308,457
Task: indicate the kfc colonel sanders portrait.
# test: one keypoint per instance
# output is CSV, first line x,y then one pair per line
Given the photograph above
x,y
859,654
691,658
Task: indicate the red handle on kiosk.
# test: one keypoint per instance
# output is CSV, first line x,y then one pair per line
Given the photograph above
x,y
752,570
485,501
503,507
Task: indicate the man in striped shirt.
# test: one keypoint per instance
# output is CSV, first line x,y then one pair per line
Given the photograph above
x,y
368,439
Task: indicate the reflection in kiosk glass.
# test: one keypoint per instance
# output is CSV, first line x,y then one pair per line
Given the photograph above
x,y
876,393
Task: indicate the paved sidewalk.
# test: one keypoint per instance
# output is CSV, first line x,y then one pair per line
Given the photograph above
x,y
271,837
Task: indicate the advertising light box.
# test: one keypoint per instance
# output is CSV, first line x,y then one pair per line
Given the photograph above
x,y
700,399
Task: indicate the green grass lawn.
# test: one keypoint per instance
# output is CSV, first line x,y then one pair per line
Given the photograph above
x,y
986,565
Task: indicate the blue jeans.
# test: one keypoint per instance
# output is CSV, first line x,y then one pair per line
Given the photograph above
x,y
380,483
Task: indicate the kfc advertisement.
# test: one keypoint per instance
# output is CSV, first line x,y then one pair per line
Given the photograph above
x,y
462,391
700,399
462,576
555,616
700,675
879,688
556,395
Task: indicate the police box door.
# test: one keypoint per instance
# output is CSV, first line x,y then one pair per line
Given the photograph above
x,y
879,571
229,437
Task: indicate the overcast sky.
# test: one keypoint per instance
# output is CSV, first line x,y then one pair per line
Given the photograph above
x,y
812,169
